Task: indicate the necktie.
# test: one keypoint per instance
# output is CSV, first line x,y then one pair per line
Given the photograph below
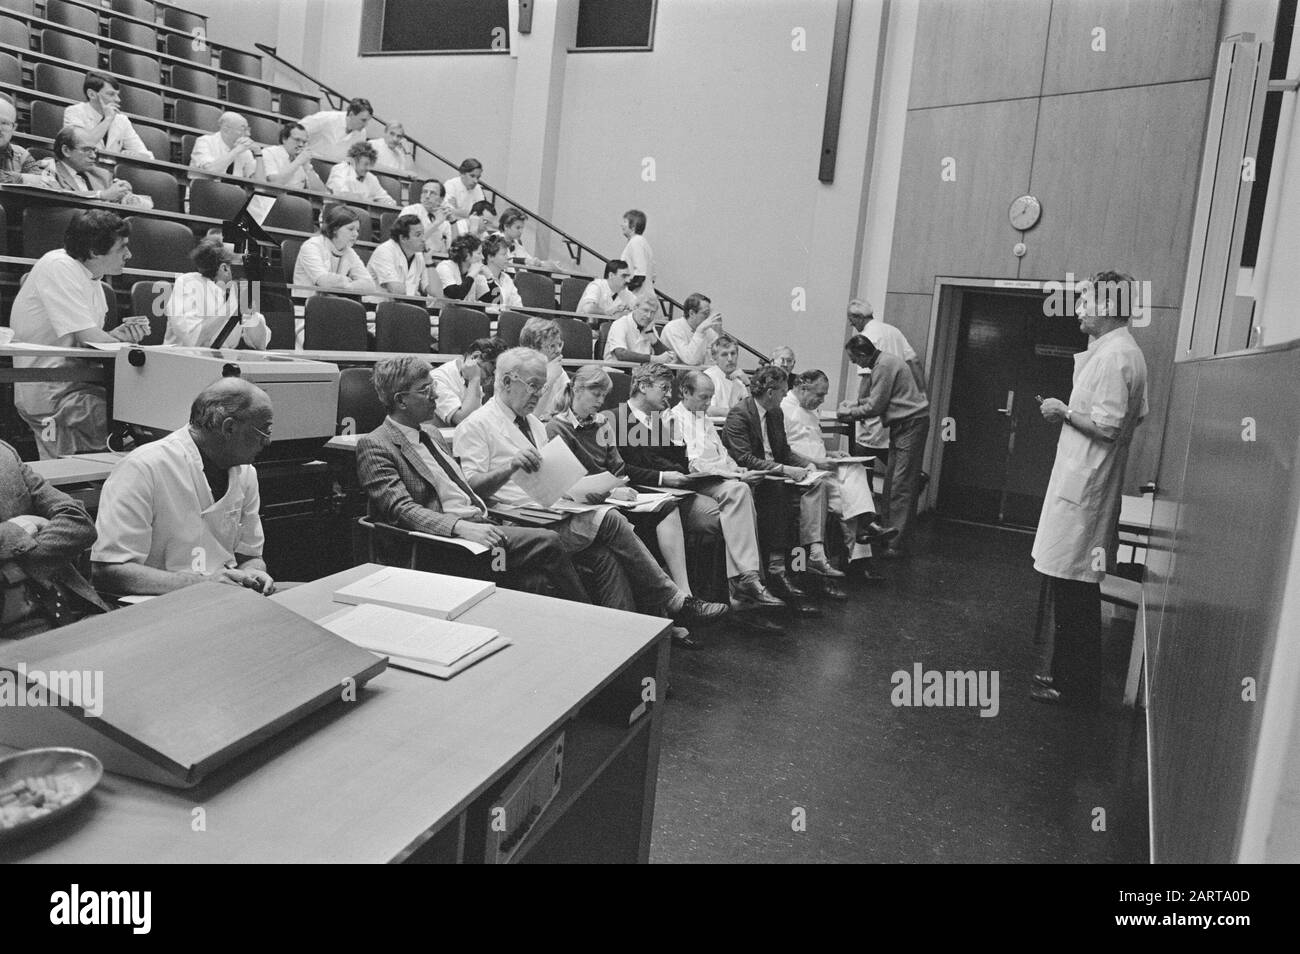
x,y
522,424
436,453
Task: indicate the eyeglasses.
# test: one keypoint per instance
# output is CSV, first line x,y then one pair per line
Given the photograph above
x,y
266,434
532,388
425,392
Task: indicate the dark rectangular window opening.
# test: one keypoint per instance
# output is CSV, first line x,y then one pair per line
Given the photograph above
x,y
1286,11
610,25
434,26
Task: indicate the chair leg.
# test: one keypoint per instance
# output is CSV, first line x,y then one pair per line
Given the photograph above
x,y
1136,657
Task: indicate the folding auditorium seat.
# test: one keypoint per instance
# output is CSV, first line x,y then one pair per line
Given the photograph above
x,y
537,291
196,115
358,400
402,326
137,34
365,228
187,147
141,102
143,9
188,48
289,250
245,64
263,129
458,326
620,389
144,294
291,213
187,79
68,47
15,32
386,220
179,19
160,246
71,15
571,290
509,324
135,65
322,167
277,308
298,105
43,228
334,324
156,139
215,199
11,69
392,186
246,94
577,337
22,6
47,119
158,185
59,81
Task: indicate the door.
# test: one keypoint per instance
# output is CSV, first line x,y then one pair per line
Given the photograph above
x,y
996,466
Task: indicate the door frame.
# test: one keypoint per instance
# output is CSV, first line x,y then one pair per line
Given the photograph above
x,y
941,354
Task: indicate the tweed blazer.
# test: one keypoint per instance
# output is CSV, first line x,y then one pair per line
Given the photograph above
x,y
744,439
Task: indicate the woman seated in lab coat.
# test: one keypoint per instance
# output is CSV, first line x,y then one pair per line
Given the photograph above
x,y
327,261
203,309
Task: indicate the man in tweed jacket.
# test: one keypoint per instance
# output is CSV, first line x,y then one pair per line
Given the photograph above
x,y
413,482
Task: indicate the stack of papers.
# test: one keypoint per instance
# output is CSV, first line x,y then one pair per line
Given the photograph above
x,y
644,502
433,646
428,594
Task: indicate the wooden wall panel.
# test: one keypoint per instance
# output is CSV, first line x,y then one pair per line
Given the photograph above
x,y
910,314
1147,41
1158,341
1116,173
970,52
960,227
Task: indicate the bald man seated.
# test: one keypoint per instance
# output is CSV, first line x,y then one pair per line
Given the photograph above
x,y
184,509
228,151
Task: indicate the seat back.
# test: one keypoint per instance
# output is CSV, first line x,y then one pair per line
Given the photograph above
x,y
137,65
602,338
133,8
15,32
159,245
43,228
11,69
392,186
277,308
402,326
142,102
335,324
459,326
128,31
509,324
179,19
150,297
577,337
111,317
292,212
59,81
322,167
197,115
187,79
47,119
536,291
245,64
386,222
263,129
71,15
215,199
359,405
365,226
620,389
289,250
298,105
158,185
571,290
156,141
22,6
68,47
184,48
247,94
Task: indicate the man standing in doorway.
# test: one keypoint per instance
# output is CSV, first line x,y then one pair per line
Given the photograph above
x,y
1076,532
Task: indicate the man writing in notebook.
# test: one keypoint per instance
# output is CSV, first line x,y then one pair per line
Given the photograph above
x,y
413,482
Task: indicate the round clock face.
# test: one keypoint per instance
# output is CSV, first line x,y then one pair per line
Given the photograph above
x,y
1024,212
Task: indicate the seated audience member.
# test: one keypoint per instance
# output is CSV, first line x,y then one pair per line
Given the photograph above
x,y
463,191
502,438
650,441
849,485
870,433
463,275
352,179
331,132
755,436
203,309
184,509
512,227
101,115
460,387
393,150
228,151
633,338
17,165
638,255
608,296
890,392
327,261
783,357
75,168
502,292
706,453
62,304
43,532
730,384
288,164
591,438
398,264
432,215
689,338
544,335
413,482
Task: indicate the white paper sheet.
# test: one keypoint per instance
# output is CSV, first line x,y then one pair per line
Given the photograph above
x,y
560,470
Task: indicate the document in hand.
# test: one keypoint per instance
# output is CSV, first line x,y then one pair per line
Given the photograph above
x,y
559,471
437,647
429,594
595,484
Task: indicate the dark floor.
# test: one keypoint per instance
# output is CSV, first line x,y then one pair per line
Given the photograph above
x,y
759,727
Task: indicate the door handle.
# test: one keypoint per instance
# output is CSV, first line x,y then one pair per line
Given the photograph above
x,y
1011,402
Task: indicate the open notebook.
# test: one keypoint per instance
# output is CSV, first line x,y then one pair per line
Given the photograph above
x,y
437,647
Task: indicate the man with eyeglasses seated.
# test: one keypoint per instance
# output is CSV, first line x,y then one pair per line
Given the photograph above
x,y
288,164
184,509
503,437
17,165
608,296
413,482
75,168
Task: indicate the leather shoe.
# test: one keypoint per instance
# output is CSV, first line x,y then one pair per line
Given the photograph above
x,y
779,584
682,638
877,534
1042,679
1046,694
823,568
805,610
696,612
833,591
752,593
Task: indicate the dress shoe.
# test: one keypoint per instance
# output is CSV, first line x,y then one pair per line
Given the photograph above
x,y
779,584
805,610
877,534
822,568
1043,680
832,590
893,553
682,638
752,593
759,625
1045,694
696,612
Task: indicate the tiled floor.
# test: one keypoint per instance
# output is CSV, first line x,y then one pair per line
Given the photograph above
x,y
765,735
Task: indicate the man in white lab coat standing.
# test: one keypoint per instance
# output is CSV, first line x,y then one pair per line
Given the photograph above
x,y
1076,532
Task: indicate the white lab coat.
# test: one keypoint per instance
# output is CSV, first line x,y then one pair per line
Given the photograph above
x,y
156,509
1081,508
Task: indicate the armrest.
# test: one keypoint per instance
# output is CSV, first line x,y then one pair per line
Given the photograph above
x,y
394,546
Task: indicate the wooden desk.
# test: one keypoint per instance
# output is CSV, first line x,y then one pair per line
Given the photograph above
x,y
406,771
78,469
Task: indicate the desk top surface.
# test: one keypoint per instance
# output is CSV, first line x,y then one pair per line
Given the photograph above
x,y
365,781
